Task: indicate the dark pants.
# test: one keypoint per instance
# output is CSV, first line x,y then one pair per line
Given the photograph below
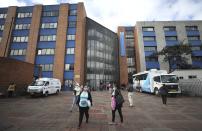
x,y
10,93
82,111
164,99
120,114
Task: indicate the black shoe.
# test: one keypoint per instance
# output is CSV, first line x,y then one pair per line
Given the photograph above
x,y
86,121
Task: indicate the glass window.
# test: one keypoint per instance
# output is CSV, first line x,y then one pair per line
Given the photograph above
x,y
192,76
149,38
72,12
48,25
150,59
71,24
69,67
169,28
24,15
150,48
196,58
157,79
147,28
191,28
170,38
1,27
70,37
3,16
70,51
194,48
193,38
50,13
48,38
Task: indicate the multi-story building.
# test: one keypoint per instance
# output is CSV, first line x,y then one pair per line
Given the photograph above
x,y
69,46
152,36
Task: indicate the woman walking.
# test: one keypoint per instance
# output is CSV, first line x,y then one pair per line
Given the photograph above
x,y
117,103
130,92
84,102
164,91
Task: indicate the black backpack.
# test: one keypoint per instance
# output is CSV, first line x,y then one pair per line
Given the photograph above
x,y
119,98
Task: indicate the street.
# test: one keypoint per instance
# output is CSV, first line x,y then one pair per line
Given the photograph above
x,y
149,114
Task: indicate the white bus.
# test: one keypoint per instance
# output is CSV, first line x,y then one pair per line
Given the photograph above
x,y
151,81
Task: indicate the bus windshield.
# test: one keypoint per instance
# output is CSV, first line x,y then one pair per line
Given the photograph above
x,y
38,83
169,79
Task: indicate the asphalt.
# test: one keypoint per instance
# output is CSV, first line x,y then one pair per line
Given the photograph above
x,y
52,113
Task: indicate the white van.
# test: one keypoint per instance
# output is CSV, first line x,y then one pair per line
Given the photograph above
x,y
45,86
151,81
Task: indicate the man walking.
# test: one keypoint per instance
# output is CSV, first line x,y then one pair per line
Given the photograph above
x,y
130,92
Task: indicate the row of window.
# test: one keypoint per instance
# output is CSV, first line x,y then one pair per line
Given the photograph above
x,y
171,28
3,16
45,51
71,37
150,59
20,39
22,26
70,51
50,13
48,38
170,38
69,67
1,27
47,67
48,25
24,15
99,77
197,58
150,48
195,48
18,52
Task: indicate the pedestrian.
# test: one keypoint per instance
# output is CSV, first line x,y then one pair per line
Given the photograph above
x,y
164,92
119,100
130,90
76,92
11,89
84,102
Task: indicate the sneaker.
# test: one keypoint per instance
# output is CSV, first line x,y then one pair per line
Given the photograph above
x,y
112,123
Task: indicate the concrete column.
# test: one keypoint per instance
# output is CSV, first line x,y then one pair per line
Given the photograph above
x,y
33,34
60,50
8,26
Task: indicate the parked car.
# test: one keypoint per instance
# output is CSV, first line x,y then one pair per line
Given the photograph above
x,y
45,86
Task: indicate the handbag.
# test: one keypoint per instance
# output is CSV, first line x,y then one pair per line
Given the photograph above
x,y
119,98
113,103
89,103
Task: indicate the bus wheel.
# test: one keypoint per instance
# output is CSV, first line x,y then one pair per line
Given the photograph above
x,y
156,91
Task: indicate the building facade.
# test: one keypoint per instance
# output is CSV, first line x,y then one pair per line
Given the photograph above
x,y
72,47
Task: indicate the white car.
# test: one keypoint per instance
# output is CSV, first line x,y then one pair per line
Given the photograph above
x,y
45,86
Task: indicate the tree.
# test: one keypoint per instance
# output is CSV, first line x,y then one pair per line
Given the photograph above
x,y
176,55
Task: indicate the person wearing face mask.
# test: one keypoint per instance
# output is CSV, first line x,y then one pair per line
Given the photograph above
x,y
84,102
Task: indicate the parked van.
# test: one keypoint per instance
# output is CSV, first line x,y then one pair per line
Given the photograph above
x,y
152,80
45,86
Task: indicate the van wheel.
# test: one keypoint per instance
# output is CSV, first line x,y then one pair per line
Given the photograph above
x,y
57,92
156,91
46,94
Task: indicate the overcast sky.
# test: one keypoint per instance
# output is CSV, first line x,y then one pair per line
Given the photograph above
x,y
113,13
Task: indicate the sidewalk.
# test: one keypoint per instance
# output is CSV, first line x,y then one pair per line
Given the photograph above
x,y
149,114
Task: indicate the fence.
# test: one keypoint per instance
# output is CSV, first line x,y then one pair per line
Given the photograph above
x,y
192,87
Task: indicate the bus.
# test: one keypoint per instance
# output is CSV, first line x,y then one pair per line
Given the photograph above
x,y
152,80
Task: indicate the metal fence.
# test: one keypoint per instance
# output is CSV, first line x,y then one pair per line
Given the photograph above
x,y
192,87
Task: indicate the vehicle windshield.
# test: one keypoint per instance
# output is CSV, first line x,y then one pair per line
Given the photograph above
x,y
169,79
38,83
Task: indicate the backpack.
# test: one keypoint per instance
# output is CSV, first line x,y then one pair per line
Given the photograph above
x,y
119,98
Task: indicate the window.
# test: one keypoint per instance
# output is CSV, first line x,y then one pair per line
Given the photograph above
x,y
50,13
22,26
191,28
71,24
150,48
70,51
3,16
196,58
171,38
72,12
129,34
147,28
181,77
47,67
1,27
14,52
20,39
157,79
130,42
195,48
24,15
149,38
193,38
192,76
169,28
48,25
48,38
69,67
70,37
45,51
151,59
